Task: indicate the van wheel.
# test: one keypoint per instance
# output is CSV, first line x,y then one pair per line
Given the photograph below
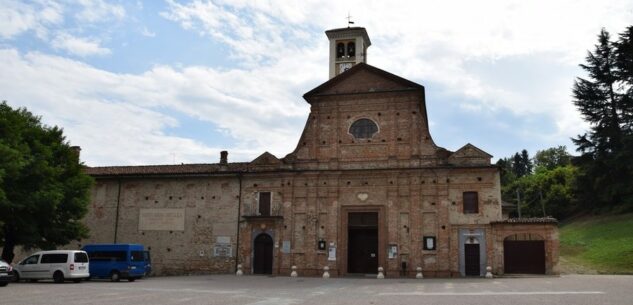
x,y
16,277
58,277
2,284
131,279
114,276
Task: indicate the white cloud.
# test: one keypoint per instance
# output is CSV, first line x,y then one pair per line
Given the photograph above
x,y
147,33
17,17
131,112
78,46
95,11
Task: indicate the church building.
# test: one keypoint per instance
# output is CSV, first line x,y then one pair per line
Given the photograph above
x,y
365,187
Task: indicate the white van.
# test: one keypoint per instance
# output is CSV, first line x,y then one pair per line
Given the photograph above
x,y
59,265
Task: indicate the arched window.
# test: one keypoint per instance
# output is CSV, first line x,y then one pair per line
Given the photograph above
x,y
363,129
340,49
351,49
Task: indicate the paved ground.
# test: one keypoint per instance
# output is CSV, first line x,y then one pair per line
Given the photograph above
x,y
260,290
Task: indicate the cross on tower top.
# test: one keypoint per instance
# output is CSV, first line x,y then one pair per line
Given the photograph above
x,y
349,19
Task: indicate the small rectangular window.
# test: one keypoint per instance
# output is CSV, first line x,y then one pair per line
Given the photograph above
x,y
471,203
264,203
57,258
81,257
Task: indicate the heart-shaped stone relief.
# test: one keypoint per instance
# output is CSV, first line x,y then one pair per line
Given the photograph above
x,y
362,196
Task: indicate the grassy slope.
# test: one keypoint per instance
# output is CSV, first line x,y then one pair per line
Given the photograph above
x,y
603,244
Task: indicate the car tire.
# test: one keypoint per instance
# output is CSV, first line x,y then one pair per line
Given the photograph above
x,y
114,276
16,277
2,284
131,279
58,277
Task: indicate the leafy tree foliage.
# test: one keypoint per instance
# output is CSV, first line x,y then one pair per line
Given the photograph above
x,y
551,158
547,191
605,100
43,190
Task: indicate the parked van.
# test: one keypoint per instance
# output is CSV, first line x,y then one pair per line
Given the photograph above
x,y
59,265
117,261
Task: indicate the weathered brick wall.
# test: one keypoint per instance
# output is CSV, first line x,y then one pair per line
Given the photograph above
x,y
210,208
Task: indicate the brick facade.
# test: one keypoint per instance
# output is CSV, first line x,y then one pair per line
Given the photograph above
x,y
191,215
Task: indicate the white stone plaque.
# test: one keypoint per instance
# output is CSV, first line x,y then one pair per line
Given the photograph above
x,y
222,250
223,240
161,220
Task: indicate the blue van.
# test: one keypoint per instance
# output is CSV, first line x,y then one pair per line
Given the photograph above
x,y
117,261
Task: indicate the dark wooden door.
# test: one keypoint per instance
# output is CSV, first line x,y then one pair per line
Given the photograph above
x,y
362,243
363,250
263,255
471,255
524,256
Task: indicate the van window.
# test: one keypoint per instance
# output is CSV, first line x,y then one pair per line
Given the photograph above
x,y
31,260
107,256
81,257
56,258
137,256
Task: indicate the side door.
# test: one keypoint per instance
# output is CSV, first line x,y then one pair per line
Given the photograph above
x,y
28,267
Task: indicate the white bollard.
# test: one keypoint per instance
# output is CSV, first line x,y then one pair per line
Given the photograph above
x,y
488,272
380,275
239,270
326,272
294,271
419,274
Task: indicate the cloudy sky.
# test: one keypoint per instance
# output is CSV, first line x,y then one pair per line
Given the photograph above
x,y
161,82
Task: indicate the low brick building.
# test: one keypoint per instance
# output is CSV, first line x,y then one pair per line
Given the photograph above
x,y
366,187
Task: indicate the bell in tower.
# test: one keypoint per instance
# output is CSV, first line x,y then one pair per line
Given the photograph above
x,y
348,46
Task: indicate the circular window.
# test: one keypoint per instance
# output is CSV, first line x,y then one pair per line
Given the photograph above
x,y
363,129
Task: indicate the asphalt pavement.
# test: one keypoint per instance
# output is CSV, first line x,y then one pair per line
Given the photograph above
x,y
262,290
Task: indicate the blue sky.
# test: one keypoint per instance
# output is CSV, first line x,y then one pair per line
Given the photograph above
x,y
160,82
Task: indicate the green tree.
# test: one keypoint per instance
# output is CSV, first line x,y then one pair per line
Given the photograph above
x,y
551,158
605,100
548,192
43,190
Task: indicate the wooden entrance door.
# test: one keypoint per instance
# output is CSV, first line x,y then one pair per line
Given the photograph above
x,y
471,258
524,256
263,254
362,234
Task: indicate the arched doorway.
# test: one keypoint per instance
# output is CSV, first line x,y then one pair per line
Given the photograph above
x,y
524,253
263,254
471,257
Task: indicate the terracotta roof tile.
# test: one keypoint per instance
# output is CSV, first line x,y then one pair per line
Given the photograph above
x,y
183,169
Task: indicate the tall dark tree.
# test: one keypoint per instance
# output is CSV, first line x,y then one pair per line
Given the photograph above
x,y
605,100
43,190
526,162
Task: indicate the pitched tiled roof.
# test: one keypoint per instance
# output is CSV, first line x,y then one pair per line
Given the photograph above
x,y
527,220
156,170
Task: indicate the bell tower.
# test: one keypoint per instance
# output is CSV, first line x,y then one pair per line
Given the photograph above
x,y
348,46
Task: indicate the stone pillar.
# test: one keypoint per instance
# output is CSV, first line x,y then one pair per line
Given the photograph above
x,y
380,275
326,272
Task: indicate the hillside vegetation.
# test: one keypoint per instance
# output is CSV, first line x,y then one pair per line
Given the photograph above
x,y
598,244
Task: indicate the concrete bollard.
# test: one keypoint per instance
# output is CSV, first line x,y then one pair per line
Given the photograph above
x,y
294,271
239,270
419,275
488,272
326,272
380,275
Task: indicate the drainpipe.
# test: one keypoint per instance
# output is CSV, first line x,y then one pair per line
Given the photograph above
x,y
118,202
239,208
